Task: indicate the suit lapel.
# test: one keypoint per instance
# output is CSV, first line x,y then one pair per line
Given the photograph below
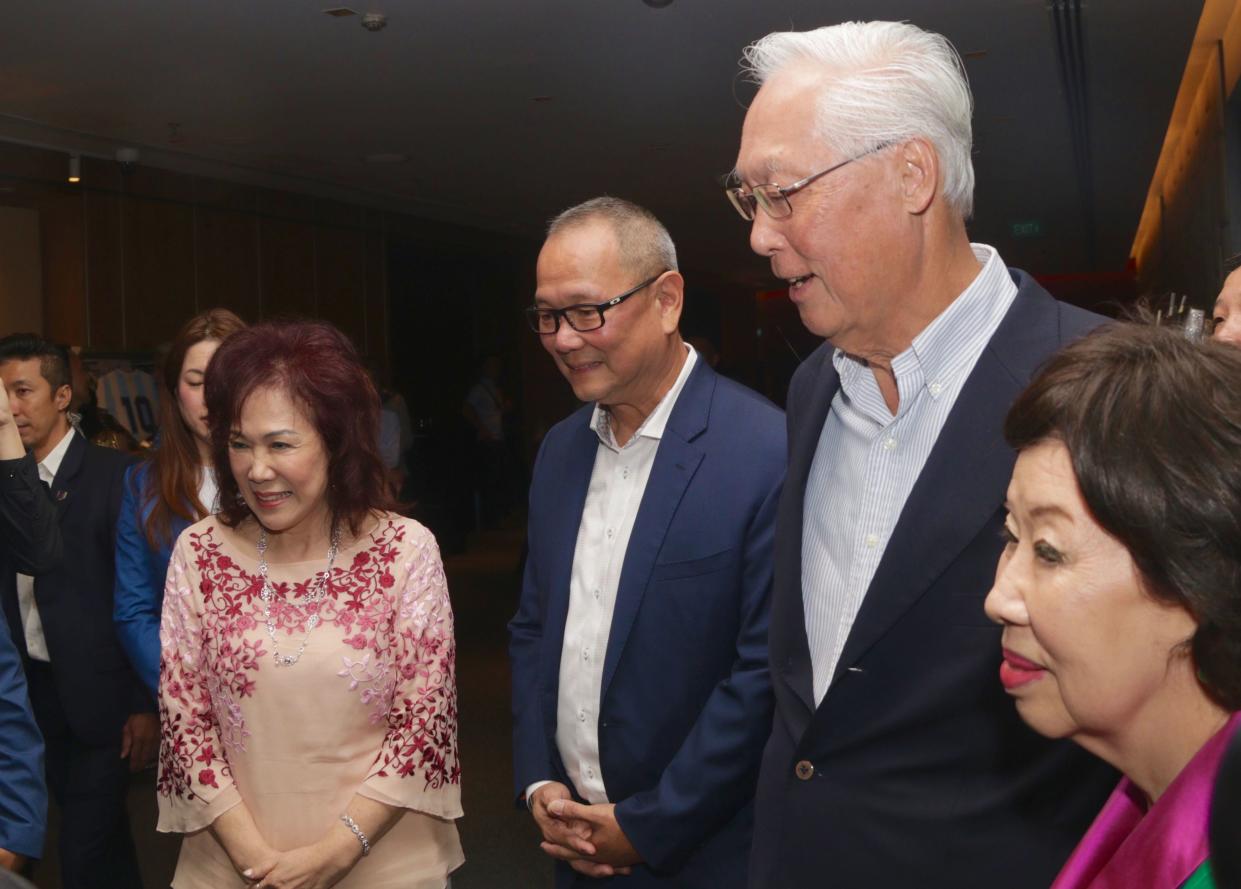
x,y
962,484
788,615
676,461
66,474
563,521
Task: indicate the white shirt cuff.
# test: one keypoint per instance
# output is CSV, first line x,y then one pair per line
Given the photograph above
x,y
530,793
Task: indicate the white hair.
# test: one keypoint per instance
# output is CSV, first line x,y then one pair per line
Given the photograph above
x,y
885,82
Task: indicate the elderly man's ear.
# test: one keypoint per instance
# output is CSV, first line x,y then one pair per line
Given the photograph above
x,y
919,175
670,295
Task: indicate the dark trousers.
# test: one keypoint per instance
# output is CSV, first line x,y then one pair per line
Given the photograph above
x,y
89,783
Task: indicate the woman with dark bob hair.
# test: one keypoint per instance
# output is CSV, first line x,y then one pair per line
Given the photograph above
x,y
1119,589
307,692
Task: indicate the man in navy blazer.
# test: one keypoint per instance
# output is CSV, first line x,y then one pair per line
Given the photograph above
x,y
90,707
895,757
641,697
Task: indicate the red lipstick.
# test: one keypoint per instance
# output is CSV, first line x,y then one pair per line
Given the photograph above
x,y
1016,671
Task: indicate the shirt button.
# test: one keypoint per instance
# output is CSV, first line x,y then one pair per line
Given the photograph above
x,y
590,773
804,770
609,533
581,715
936,388
889,443
625,472
598,593
872,540
585,654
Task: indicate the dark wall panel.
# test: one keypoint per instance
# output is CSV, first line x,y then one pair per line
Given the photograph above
x,y
287,262
227,261
105,284
159,270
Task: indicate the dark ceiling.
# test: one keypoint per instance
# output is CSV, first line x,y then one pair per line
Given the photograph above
x,y
507,112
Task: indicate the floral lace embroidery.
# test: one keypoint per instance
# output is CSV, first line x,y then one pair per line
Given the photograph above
x,y
399,658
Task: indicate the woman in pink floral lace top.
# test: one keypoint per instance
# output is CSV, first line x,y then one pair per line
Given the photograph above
x,y
307,687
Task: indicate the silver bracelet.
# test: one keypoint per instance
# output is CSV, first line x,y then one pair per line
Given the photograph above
x,y
357,832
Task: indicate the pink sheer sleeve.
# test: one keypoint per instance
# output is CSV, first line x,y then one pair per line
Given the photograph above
x,y
417,766
195,784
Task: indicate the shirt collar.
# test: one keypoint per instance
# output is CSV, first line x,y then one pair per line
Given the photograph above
x,y
51,463
943,346
656,421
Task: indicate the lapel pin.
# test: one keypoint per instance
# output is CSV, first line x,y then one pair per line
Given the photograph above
x,y
61,495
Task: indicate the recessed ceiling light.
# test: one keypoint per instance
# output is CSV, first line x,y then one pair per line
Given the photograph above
x,y
386,157
657,4
339,12
540,98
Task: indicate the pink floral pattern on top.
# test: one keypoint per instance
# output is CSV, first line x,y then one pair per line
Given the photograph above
x,y
390,611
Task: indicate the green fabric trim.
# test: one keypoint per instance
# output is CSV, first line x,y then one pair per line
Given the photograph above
x,y
1201,878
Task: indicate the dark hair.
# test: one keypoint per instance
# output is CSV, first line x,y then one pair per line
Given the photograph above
x,y
172,480
53,360
320,369
1152,424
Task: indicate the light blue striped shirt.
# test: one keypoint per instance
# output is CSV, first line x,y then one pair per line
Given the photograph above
x,y
868,460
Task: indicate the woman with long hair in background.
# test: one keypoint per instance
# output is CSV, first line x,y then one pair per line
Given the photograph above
x,y
167,492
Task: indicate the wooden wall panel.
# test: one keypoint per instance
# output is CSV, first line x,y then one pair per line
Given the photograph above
x,y
226,262
159,270
105,283
287,260
64,268
340,268
377,343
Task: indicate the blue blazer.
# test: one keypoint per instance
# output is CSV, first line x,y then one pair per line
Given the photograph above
x,y
686,698
914,769
30,543
140,574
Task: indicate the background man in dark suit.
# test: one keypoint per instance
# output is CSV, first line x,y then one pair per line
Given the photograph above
x,y
640,690
89,705
895,758
30,539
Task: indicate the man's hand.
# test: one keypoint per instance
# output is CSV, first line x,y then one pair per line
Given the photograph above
x,y
11,447
573,837
11,860
140,740
612,847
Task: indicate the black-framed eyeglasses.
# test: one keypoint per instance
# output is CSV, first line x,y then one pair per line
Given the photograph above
x,y
774,199
583,316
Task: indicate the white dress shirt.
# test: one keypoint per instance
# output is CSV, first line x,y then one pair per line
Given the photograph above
x,y
617,484
209,491
32,625
868,459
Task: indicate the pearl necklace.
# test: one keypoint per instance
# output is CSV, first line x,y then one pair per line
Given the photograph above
x,y
314,596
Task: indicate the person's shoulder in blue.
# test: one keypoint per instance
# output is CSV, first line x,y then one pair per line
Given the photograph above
x,y
30,543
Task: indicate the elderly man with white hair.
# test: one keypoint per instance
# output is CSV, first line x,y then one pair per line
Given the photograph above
x,y
895,758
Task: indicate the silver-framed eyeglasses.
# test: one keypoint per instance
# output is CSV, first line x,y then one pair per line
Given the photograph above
x,y
774,199
582,317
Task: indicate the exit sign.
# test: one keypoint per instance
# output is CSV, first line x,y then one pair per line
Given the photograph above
x,y
1028,229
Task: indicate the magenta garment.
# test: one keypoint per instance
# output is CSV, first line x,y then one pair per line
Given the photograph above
x,y
1129,846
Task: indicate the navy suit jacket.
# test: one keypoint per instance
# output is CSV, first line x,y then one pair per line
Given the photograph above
x,y
30,543
686,699
97,688
915,769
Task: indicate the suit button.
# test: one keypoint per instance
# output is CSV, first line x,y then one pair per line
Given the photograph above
x,y
804,770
